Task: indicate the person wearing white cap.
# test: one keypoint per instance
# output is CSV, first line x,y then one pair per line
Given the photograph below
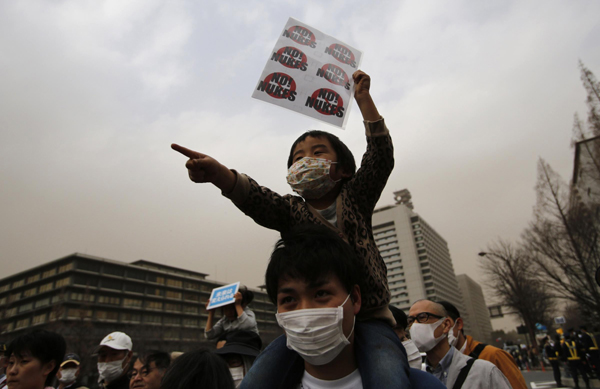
x,y
114,359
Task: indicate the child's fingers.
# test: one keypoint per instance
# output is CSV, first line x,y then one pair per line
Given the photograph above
x,y
187,152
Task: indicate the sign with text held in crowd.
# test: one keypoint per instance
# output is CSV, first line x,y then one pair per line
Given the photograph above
x,y
223,295
311,73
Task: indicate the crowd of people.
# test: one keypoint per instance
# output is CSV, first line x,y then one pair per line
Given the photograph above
x,y
328,281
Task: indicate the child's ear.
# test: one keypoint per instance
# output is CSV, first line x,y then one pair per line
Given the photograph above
x,y
356,298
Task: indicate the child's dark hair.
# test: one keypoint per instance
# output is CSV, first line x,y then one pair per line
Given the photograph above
x,y
312,253
344,155
41,344
400,317
198,369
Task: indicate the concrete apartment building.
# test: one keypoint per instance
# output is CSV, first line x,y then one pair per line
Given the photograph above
x,y
417,257
85,298
476,312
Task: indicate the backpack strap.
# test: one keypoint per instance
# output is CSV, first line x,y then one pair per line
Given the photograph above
x,y
477,350
462,376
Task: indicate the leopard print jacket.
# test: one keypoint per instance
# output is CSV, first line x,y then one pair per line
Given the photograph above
x,y
355,204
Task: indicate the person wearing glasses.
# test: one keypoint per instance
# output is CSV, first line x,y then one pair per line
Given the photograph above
x,y
149,370
429,325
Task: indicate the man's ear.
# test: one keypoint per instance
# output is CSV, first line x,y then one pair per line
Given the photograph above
x,y
356,299
459,324
447,325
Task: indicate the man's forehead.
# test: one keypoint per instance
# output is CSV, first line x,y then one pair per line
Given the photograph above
x,y
423,306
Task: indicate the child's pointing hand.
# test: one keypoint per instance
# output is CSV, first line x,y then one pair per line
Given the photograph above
x,y
202,168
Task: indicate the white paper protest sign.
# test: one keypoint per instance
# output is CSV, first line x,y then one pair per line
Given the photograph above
x,y
223,295
311,73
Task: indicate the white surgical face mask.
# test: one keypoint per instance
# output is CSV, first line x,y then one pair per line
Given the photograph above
x,y
110,371
451,338
315,334
237,373
309,177
413,354
423,335
68,375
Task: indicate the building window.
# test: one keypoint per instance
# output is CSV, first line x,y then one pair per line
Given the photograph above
x,y
172,321
422,251
49,273
425,271
55,314
25,307
65,268
419,232
192,297
22,323
74,313
135,288
42,302
426,278
136,274
109,300
428,284
175,283
171,335
58,298
3,300
132,303
192,286
152,319
423,258
418,238
190,309
114,270
111,284
11,312
414,219
30,292
16,284
80,279
63,282
39,319
424,264
4,288
89,266
14,297
172,307
420,244
154,292
131,317
107,315
46,287
33,278
190,322
154,305
173,295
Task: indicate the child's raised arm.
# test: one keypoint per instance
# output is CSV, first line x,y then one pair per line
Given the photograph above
x,y
362,84
203,168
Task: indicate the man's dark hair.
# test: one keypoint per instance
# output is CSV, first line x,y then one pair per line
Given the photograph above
x,y
584,328
198,369
247,295
161,359
451,309
344,155
312,253
41,344
400,317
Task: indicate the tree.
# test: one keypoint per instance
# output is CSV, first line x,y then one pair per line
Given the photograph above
x,y
515,285
563,241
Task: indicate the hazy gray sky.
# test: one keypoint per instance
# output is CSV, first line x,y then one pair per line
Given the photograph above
x,y
94,92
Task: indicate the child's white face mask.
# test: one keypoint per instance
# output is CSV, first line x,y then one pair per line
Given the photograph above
x,y
309,177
